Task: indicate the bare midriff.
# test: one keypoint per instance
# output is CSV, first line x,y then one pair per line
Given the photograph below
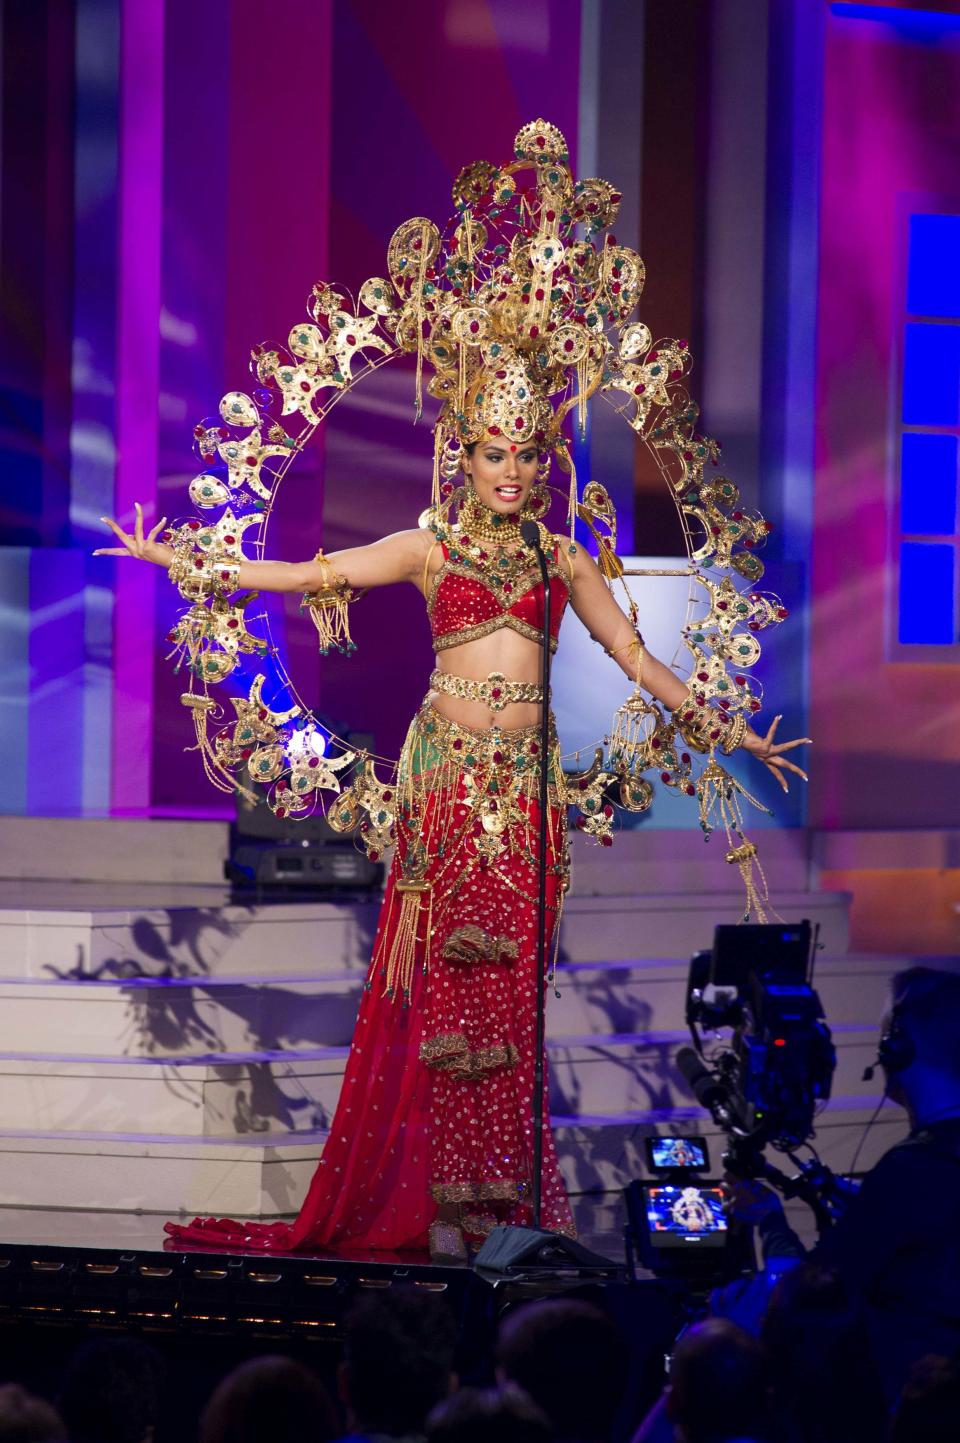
x,y
502,651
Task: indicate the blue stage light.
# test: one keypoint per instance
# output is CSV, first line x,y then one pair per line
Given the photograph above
x,y
933,279
928,485
926,26
927,594
931,375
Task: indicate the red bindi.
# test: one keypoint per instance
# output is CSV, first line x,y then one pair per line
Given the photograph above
x,y
513,448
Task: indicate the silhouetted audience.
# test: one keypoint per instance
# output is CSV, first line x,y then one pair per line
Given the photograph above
x,y
27,1419
825,1383
929,1406
490,1415
269,1400
571,1359
397,1363
111,1392
719,1388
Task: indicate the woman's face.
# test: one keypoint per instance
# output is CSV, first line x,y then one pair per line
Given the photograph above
x,y
503,474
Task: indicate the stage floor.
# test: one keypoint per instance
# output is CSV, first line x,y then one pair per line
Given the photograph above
x,y
600,1220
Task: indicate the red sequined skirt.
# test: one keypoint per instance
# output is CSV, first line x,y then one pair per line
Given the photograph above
x,y
436,1102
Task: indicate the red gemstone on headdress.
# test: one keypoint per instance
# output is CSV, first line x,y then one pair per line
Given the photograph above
x,y
313,762
639,390
282,785
351,340
691,790
224,576
498,757
229,540
534,330
262,713
592,208
198,562
714,735
233,623
748,541
500,375
725,703
494,430
252,460
568,345
703,676
551,215
539,294
508,586
740,680
464,540
540,141
615,288
723,605
655,743
782,613
664,776
608,811
685,758
474,327
280,812
518,423
714,530
304,385
525,298
170,636
494,806
194,525
245,754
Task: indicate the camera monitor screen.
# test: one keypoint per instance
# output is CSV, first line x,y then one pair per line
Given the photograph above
x,y
680,1217
667,1153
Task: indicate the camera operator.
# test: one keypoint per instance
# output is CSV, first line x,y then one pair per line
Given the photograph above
x,y
898,1245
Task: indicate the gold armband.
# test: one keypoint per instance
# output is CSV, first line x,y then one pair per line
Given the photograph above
x,y
328,609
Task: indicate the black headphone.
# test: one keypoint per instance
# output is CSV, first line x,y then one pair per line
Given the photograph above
x,y
896,1049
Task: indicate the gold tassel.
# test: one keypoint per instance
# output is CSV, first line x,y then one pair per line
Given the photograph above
x,y
424,237
572,500
202,707
582,397
398,968
718,792
435,487
746,857
329,613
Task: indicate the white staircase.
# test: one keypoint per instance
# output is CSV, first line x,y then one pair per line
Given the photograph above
x,y
163,1049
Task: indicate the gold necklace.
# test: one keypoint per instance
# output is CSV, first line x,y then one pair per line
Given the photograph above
x,y
478,523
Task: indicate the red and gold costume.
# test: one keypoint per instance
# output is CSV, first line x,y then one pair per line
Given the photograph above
x,y
521,310
436,1104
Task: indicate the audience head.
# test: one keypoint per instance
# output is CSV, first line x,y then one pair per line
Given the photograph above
x,y
821,1367
111,1392
269,1400
550,1348
719,1385
26,1419
476,1415
397,1361
929,1406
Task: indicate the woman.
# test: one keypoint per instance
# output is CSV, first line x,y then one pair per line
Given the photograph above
x,y
433,1131
522,312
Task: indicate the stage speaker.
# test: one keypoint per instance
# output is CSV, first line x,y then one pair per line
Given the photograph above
x,y
510,1251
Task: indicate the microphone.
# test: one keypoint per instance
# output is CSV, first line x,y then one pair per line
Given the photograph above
x,y
709,1092
530,532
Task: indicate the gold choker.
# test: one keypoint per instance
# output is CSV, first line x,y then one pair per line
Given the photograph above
x,y
480,523
496,692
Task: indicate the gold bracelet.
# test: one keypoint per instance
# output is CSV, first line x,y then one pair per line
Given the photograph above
x,y
735,734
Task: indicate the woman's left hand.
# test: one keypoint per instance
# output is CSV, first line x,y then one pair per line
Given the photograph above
x,y
771,753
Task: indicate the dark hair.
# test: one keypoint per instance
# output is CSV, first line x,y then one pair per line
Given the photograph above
x,y
269,1400
822,1370
398,1352
111,1391
926,1001
26,1419
550,1347
476,1415
929,1405
719,1384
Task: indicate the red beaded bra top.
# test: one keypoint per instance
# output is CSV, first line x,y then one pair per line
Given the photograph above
x,y
471,598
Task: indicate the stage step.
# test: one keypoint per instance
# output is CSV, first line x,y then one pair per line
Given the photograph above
x,y
235,1093
316,939
211,1017
267,1175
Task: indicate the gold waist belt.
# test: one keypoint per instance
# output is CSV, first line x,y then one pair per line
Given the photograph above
x,y
496,692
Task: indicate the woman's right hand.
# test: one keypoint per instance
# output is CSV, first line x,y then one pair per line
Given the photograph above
x,y
146,548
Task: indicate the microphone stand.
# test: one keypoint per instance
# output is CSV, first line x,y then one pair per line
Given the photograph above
x,y
530,532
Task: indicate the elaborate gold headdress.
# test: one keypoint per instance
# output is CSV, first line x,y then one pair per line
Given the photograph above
x,y
517,313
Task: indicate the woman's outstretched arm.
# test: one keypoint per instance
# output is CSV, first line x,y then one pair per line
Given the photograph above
x,y
610,627
399,557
